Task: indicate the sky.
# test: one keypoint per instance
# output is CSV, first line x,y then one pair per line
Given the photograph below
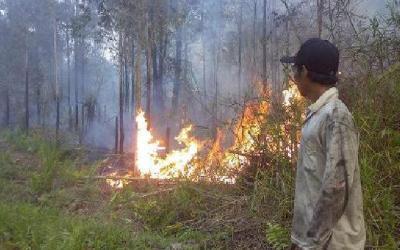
x,y
372,7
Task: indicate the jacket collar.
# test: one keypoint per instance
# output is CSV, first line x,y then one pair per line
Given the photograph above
x,y
327,96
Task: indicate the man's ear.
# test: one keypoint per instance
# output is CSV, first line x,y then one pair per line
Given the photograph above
x,y
304,71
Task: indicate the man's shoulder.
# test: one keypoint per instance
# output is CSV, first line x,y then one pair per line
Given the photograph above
x,y
337,111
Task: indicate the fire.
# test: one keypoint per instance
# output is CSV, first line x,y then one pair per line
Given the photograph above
x,y
249,128
219,163
175,164
147,149
290,94
115,183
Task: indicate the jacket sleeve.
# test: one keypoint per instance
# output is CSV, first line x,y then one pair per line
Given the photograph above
x,y
341,141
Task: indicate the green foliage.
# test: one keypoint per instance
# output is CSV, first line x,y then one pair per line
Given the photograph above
x,y
21,141
54,162
8,171
43,180
12,178
271,191
377,116
277,236
26,226
165,212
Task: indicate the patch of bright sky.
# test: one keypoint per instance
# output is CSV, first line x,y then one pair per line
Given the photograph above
x,y
371,8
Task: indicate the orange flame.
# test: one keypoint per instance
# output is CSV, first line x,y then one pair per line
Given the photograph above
x,y
219,163
290,94
148,159
147,149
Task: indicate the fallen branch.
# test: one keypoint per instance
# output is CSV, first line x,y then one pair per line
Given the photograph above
x,y
100,177
156,192
111,177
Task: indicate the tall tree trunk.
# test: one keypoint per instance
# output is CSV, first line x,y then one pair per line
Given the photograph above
x,y
77,53
76,82
7,118
126,78
320,8
116,136
69,78
157,91
121,96
82,80
138,78
264,69
254,35
274,55
240,51
133,78
185,77
82,123
57,88
160,81
27,88
178,70
203,40
148,78
38,105
216,85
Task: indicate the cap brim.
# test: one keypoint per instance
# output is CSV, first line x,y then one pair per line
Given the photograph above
x,y
288,59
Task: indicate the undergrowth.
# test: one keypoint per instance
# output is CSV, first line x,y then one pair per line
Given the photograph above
x,y
25,226
376,113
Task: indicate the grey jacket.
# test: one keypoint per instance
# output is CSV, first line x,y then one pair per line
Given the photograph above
x,y
328,210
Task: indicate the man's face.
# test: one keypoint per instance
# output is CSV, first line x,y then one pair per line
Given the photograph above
x,y
301,80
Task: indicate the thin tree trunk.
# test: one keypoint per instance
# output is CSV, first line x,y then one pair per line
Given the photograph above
x,y
126,80
157,90
81,131
264,70
121,96
274,55
7,118
148,78
38,105
69,78
167,140
116,136
204,52
254,35
76,82
138,78
320,7
178,69
161,58
240,51
216,85
56,80
186,95
77,53
133,78
27,88
82,76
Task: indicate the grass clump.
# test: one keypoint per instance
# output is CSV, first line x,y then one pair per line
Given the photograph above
x,y
278,236
25,226
375,109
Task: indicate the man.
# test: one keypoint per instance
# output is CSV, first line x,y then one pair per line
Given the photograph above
x,y
328,212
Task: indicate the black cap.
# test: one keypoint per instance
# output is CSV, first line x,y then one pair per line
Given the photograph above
x,y
318,56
